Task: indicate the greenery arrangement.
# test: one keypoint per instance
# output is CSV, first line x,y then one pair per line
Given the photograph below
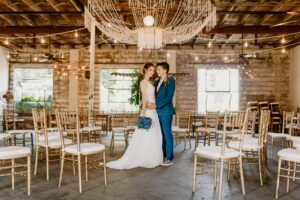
x,y
27,103
135,88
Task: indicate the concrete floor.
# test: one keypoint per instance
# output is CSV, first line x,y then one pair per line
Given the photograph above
x,y
170,183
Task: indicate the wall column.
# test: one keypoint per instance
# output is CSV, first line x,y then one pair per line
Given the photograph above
x,y
73,80
295,77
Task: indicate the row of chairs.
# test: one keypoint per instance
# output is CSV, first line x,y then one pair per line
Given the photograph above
x,y
237,148
56,143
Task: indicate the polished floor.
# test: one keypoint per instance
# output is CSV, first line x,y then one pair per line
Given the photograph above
x,y
170,183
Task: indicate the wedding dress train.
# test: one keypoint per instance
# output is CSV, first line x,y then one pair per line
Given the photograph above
x,y
145,147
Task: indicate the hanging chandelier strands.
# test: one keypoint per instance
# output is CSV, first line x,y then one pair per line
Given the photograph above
x,y
152,28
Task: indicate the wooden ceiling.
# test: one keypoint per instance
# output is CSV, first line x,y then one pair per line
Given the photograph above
x,y
252,19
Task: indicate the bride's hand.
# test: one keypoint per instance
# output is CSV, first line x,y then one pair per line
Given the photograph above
x,y
151,106
142,114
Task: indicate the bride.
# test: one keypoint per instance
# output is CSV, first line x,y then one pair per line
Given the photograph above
x,y
145,147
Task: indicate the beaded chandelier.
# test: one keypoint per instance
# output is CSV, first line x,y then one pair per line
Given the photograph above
x,y
155,22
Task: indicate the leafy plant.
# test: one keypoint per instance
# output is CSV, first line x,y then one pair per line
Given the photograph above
x,y
135,88
28,99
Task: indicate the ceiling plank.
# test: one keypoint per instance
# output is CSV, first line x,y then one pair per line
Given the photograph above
x,y
35,7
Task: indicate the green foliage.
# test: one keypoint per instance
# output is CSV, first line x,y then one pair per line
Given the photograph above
x,y
27,103
28,99
135,88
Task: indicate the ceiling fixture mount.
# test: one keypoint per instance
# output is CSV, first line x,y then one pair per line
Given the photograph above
x,y
154,24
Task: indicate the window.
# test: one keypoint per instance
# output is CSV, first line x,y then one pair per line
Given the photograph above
x,y
218,89
32,88
115,91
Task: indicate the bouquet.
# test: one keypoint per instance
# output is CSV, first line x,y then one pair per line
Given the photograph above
x,y
144,122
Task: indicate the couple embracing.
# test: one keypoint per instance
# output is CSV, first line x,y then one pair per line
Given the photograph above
x,y
152,147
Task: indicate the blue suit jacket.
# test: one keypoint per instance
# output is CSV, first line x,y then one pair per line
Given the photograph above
x,y
164,97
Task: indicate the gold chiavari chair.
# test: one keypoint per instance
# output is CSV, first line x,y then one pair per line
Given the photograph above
x,y
79,150
211,128
68,119
119,129
236,120
254,149
131,120
12,153
47,142
287,123
182,126
220,155
18,136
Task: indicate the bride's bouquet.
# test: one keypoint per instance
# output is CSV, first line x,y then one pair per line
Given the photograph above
x,y
144,122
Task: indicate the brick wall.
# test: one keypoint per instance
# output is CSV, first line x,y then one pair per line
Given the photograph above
x,y
271,76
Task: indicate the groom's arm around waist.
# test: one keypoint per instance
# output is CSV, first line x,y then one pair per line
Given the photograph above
x,y
169,97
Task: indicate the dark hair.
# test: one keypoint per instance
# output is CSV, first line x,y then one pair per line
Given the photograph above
x,y
147,66
164,65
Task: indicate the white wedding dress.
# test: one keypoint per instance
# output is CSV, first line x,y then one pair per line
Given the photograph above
x,y
145,146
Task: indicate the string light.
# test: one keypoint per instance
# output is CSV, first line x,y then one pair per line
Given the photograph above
x,y
196,58
209,44
282,40
8,56
6,41
42,40
246,44
76,34
283,50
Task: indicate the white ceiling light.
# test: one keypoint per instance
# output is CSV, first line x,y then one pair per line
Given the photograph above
x,y
148,20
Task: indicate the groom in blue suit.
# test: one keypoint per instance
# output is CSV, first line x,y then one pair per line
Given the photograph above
x,y
165,88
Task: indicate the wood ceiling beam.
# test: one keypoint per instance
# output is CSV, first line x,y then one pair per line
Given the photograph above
x,y
216,30
35,7
254,30
68,19
15,8
77,5
79,12
37,29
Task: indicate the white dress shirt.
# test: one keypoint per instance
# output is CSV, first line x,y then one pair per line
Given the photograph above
x,y
159,84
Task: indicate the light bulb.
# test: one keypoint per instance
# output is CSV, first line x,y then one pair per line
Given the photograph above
x,y
6,41
69,66
283,50
55,66
196,58
225,58
8,56
115,41
246,44
35,58
62,56
76,34
42,40
168,54
209,44
148,20
282,40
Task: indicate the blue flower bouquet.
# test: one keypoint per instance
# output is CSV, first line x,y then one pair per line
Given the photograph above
x,y
144,122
